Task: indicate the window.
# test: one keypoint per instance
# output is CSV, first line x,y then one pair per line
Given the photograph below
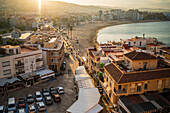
x,y
167,82
17,51
6,63
129,43
120,87
11,51
132,89
139,89
7,72
144,65
145,86
134,42
140,43
159,84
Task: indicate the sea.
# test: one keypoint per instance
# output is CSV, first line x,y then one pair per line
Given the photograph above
x,y
159,30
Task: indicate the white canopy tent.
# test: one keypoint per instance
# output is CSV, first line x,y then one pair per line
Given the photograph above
x,y
89,96
87,101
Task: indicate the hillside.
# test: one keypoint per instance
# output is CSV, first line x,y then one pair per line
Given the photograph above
x,y
48,7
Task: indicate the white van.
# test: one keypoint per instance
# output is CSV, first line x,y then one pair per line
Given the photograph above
x,y
11,104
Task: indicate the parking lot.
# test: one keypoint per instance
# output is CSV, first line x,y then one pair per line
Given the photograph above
x,y
66,81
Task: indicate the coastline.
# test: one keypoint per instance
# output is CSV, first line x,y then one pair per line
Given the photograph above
x,y
88,33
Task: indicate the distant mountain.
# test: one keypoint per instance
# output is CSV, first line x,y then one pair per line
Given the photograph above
x,y
48,7
154,9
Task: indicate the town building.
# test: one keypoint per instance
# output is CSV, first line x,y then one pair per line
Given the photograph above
x,y
42,22
52,44
16,60
142,41
17,34
138,74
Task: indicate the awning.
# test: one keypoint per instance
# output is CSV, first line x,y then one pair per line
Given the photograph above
x,y
96,109
47,76
87,99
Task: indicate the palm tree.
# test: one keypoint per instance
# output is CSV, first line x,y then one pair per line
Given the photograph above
x,y
68,27
71,29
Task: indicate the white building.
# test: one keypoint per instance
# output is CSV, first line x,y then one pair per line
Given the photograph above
x,y
15,60
42,22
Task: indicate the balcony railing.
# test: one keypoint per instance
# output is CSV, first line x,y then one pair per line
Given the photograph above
x,y
20,64
39,59
120,91
20,72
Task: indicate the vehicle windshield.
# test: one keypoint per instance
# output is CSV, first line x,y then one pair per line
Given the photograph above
x,y
29,97
38,96
32,109
11,105
21,102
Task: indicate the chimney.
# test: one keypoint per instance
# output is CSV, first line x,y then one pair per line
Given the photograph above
x,y
143,35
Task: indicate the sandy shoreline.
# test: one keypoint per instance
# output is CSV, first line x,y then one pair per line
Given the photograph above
x,y
87,34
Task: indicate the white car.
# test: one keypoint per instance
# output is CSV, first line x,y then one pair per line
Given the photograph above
x,y
21,110
60,90
41,106
38,96
31,109
2,109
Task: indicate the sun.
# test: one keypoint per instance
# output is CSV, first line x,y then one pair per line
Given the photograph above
x,y
39,4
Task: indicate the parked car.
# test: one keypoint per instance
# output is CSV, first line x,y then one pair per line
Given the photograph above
x,y
38,96
30,98
48,100
11,104
56,98
60,90
45,92
11,111
63,66
21,110
21,103
31,109
2,109
53,90
41,106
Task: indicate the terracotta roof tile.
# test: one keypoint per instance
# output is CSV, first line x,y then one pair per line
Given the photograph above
x,y
139,56
121,77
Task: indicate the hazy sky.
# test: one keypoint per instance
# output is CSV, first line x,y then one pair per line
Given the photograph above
x,y
124,3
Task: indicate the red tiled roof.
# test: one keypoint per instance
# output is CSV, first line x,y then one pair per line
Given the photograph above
x,y
139,56
121,77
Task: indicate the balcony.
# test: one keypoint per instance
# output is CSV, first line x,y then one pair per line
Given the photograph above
x,y
20,64
39,59
120,91
21,72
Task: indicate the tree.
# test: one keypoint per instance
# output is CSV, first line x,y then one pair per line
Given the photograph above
x,y
101,65
21,27
4,31
100,75
1,40
9,42
68,27
71,29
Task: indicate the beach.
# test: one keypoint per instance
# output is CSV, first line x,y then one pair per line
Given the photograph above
x,y
87,34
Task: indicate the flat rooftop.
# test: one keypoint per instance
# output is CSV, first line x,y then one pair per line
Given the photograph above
x,y
26,50
145,102
24,35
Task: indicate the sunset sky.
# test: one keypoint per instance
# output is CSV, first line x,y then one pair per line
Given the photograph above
x,y
165,4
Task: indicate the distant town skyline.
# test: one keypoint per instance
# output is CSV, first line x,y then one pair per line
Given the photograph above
x,y
165,4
